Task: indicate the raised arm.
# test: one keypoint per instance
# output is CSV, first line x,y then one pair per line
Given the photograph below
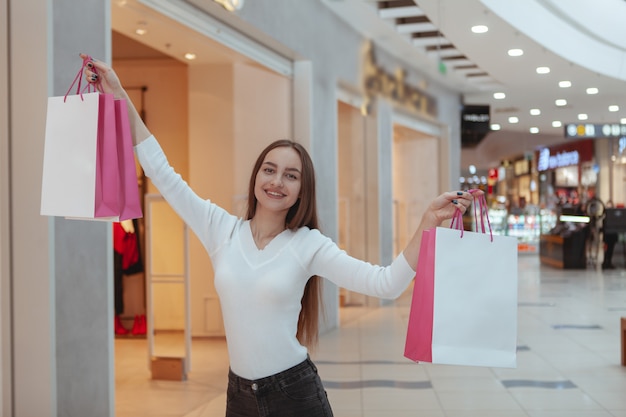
x,y
97,72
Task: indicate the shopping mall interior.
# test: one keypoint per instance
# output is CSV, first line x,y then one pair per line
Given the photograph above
x,y
397,101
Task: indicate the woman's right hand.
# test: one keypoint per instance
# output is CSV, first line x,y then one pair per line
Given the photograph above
x,y
100,74
97,72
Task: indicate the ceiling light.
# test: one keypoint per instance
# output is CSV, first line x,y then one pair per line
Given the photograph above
x,y
557,123
515,52
622,121
561,102
495,126
534,130
480,29
565,84
582,116
190,56
543,70
141,31
613,107
513,119
592,90
499,96
535,112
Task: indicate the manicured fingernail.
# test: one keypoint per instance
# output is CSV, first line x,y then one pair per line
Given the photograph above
x,y
455,202
94,77
459,193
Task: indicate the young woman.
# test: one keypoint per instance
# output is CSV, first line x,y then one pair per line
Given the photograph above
x,y
268,267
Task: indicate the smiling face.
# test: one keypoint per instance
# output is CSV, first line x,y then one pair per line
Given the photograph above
x,y
278,180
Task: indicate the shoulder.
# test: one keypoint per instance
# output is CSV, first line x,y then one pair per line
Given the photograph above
x,y
310,241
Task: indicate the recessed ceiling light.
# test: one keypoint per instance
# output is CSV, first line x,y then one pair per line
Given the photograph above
x,y
495,126
623,120
534,130
190,56
141,31
614,107
513,119
543,70
535,112
499,96
565,84
515,52
561,102
480,29
582,116
557,123
592,90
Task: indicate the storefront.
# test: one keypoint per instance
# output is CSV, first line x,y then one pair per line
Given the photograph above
x,y
212,115
568,180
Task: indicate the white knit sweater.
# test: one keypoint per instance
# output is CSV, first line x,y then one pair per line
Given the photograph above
x,y
260,290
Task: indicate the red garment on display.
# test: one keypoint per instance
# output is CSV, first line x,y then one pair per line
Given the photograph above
x,y
125,244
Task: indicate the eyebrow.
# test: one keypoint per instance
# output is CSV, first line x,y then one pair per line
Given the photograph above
x,y
286,169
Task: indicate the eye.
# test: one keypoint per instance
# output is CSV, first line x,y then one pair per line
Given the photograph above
x,y
268,170
291,176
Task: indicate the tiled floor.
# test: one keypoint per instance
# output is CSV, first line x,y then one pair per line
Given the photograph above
x,y
568,361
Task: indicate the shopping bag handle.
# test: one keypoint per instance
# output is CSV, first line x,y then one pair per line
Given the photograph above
x,y
89,88
480,214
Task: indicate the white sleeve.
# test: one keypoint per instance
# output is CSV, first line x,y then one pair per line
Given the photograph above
x,y
327,260
208,221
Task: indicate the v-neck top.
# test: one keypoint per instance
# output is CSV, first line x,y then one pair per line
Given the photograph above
x,y
260,290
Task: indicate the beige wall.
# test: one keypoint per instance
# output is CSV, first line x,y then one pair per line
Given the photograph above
x,y
235,110
5,248
415,180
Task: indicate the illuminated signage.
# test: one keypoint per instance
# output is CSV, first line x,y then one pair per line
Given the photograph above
x,y
563,159
590,130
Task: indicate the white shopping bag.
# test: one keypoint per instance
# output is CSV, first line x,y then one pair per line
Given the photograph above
x,y
464,307
77,181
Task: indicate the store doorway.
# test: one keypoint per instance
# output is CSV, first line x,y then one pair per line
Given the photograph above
x,y
212,116
416,180
358,235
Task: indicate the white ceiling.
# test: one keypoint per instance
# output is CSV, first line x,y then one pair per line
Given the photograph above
x,y
582,41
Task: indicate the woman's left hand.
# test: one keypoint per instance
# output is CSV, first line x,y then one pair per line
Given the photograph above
x,y
444,206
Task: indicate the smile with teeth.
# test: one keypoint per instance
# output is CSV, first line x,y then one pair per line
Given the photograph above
x,y
274,194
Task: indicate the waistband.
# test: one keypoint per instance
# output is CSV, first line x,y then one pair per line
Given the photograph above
x,y
284,377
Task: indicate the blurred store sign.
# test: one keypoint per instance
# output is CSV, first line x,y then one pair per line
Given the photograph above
x,y
231,5
377,81
590,130
475,124
547,160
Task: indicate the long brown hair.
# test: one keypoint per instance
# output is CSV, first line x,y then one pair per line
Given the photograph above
x,y
302,213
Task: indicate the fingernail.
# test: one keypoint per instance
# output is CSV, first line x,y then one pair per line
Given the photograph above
x,y
459,193
94,77
455,202
90,64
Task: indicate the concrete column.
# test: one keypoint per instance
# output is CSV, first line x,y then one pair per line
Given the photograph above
x,y
60,272
81,251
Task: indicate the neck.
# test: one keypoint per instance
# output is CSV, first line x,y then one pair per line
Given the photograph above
x,y
264,226
264,229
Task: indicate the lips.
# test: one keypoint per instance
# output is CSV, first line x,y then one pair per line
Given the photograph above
x,y
274,194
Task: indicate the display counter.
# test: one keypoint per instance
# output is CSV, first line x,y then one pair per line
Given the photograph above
x,y
566,250
526,227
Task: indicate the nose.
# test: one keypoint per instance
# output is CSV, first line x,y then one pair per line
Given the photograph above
x,y
277,180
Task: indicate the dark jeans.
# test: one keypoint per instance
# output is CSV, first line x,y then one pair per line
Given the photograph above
x,y
296,392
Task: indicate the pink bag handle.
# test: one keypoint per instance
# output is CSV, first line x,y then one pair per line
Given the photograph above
x,y
480,213
88,88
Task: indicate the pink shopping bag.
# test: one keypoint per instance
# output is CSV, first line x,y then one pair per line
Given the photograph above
x,y
464,305
129,201
80,173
